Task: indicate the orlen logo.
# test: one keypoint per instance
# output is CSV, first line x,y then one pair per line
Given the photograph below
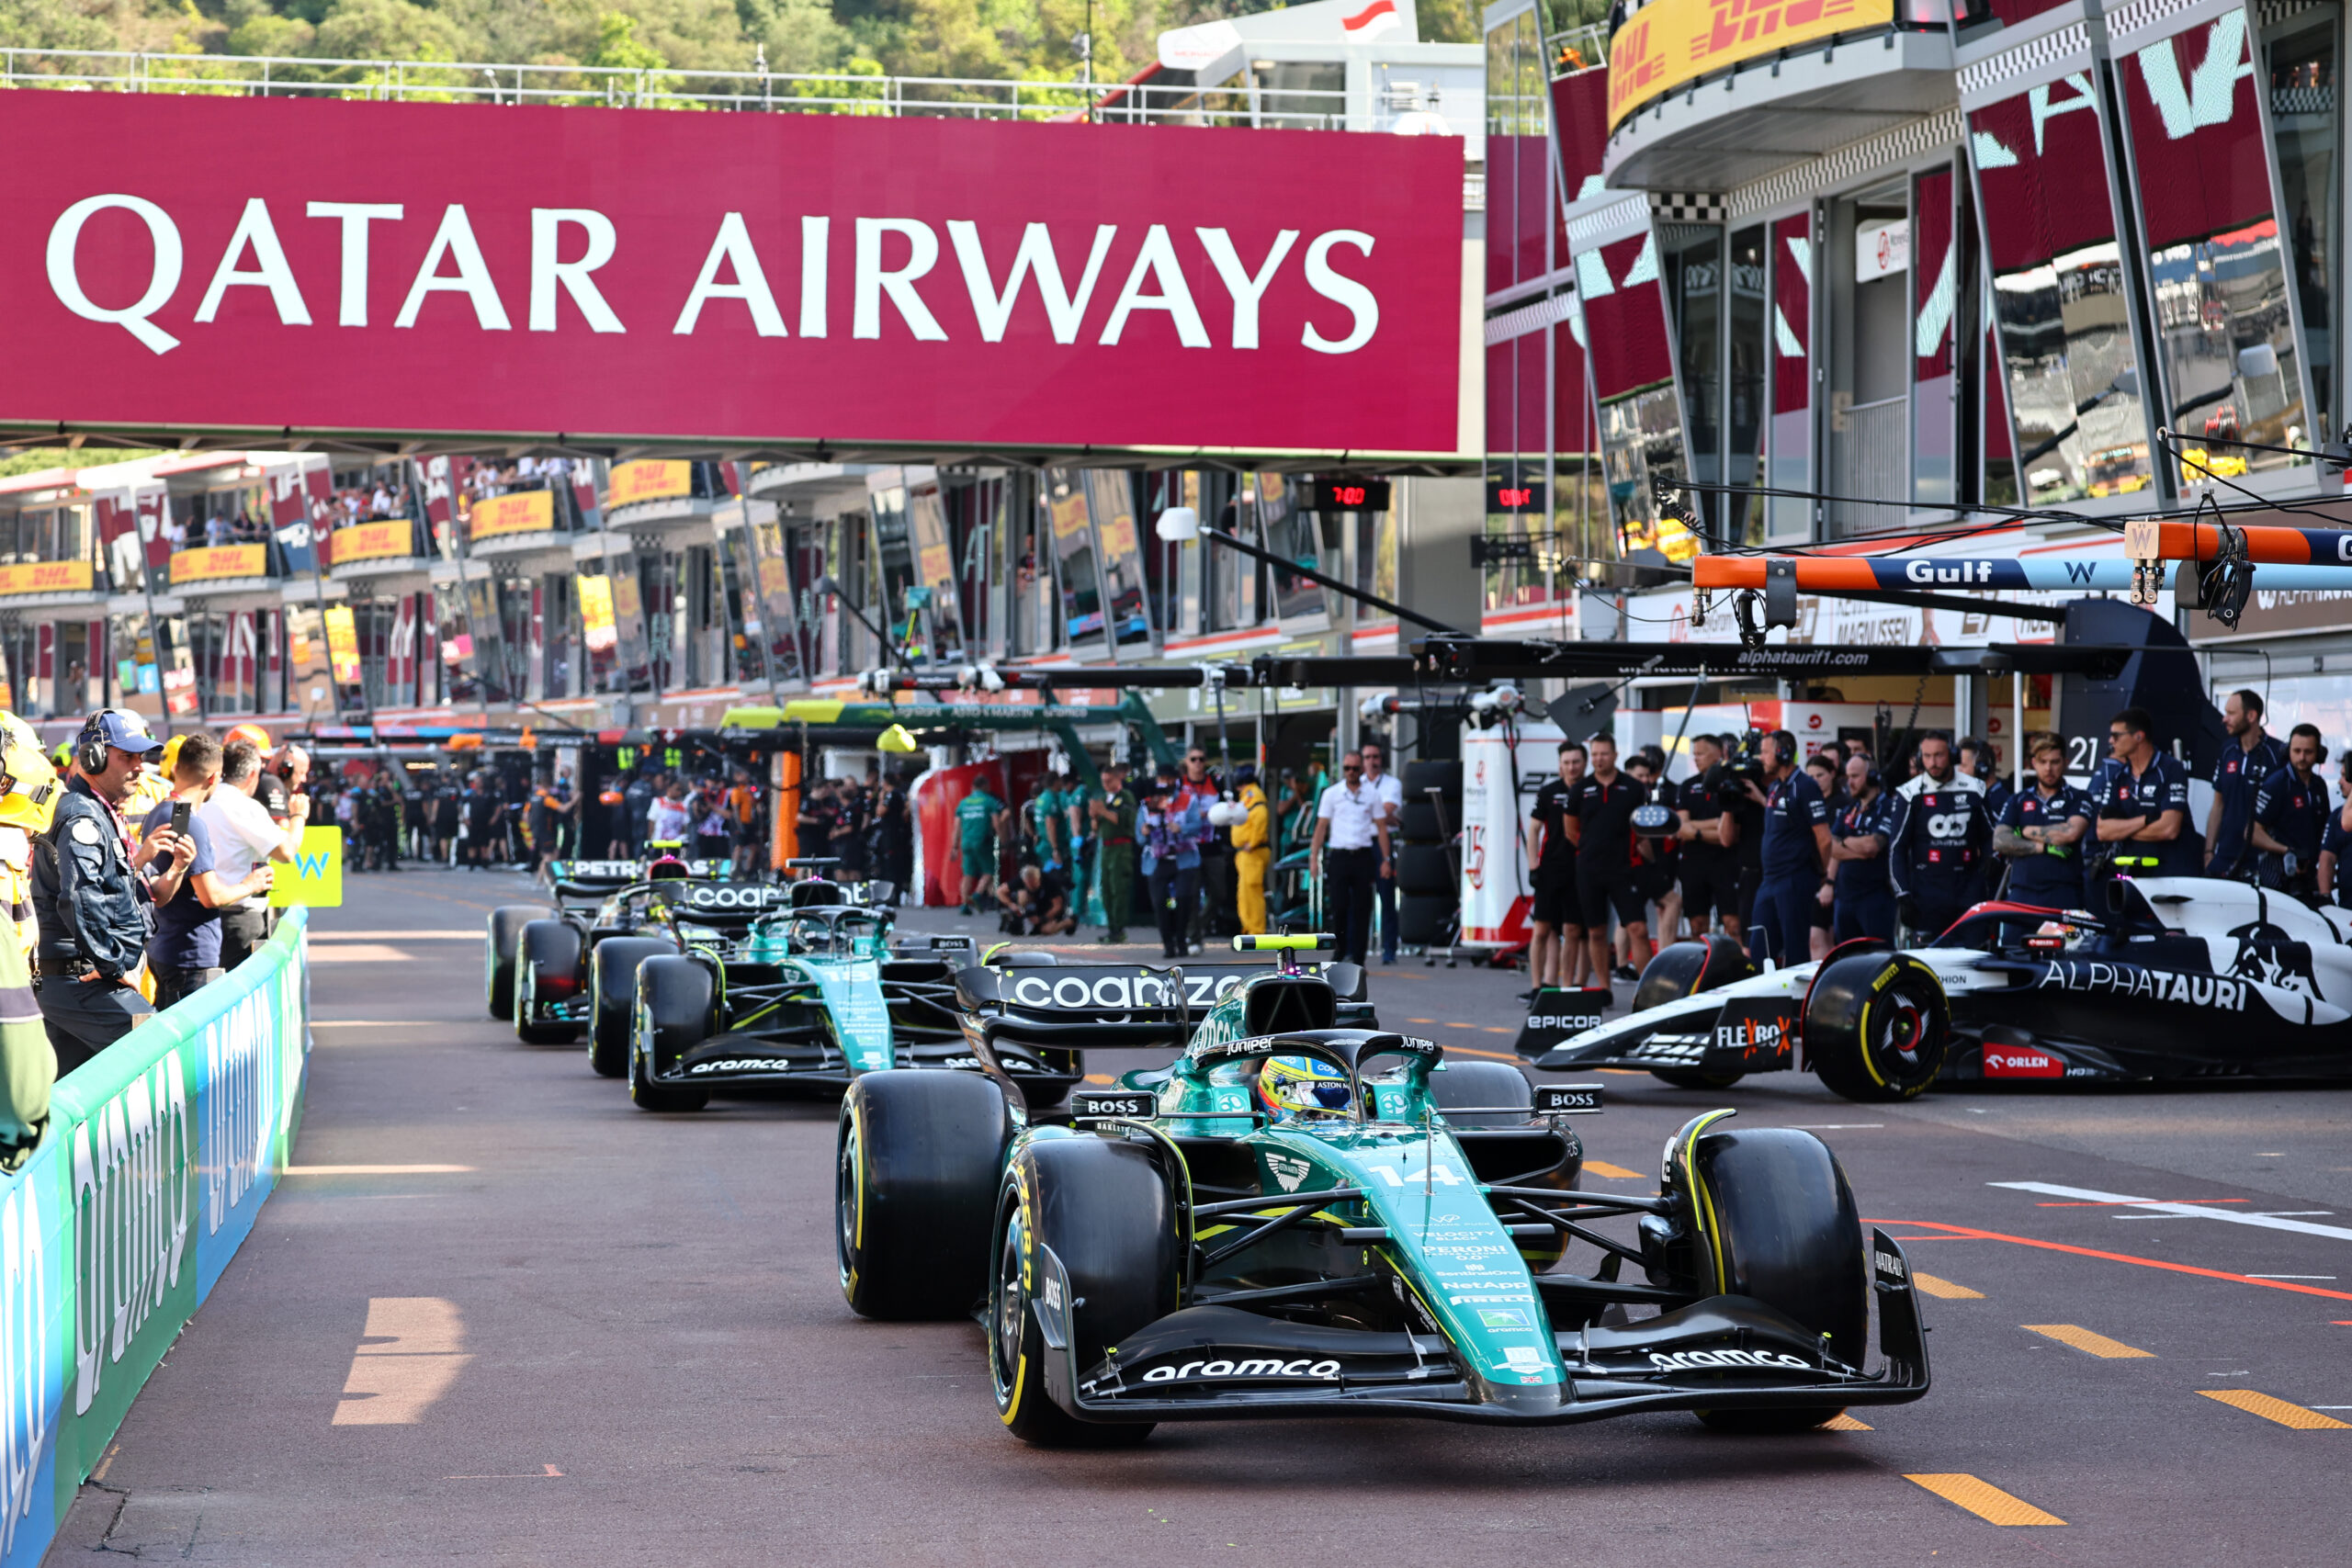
x,y
2017,1062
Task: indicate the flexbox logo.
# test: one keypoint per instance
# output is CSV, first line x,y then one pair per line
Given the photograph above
x,y
130,1217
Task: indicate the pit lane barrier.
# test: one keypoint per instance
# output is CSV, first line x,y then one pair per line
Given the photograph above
x,y
158,1156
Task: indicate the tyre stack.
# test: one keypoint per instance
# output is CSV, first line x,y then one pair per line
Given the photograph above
x,y
1429,856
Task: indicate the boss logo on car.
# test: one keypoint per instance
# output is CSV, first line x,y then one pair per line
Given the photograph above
x,y
1115,993
1256,1367
1703,1361
1566,1098
1113,1104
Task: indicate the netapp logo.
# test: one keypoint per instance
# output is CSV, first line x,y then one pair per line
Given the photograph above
x,y
1696,1360
1261,1367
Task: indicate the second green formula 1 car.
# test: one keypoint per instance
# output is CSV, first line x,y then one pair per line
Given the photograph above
x,y
1299,1218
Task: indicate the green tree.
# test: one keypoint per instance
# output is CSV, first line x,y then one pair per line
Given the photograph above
x,y
617,45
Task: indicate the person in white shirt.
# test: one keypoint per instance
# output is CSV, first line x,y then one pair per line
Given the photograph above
x,y
242,837
1349,852
667,818
1391,790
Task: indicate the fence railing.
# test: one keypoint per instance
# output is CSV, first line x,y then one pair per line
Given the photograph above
x,y
433,81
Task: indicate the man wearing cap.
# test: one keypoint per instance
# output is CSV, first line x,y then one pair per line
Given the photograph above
x,y
90,893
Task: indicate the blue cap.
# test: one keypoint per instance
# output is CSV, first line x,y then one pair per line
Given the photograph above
x,y
126,732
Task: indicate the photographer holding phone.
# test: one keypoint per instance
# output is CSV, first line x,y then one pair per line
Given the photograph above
x,y
184,949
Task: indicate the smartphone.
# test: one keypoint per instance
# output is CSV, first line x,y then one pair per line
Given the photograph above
x,y
180,809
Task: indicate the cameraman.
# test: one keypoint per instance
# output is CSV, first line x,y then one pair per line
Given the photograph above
x,y
90,893
1602,824
1744,803
1793,847
2290,817
1936,851
1710,840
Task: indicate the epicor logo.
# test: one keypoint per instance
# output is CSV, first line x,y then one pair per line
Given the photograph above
x,y
1261,1367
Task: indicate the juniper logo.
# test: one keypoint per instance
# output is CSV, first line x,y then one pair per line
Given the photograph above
x,y
131,1209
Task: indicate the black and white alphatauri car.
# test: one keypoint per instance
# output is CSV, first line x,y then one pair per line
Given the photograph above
x,y
2177,977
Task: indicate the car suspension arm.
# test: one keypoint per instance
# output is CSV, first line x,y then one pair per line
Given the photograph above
x,y
1282,1221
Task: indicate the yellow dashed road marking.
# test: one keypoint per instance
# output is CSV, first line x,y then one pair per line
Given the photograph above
x,y
1613,1172
1945,1287
2090,1344
1100,1078
1984,1499
2277,1410
1847,1423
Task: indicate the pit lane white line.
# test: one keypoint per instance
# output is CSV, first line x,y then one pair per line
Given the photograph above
x,y
2267,1222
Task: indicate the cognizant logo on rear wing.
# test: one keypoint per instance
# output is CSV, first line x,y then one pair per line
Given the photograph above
x,y
1065,990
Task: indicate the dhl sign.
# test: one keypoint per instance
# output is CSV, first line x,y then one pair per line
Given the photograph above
x,y
46,577
1670,42
524,512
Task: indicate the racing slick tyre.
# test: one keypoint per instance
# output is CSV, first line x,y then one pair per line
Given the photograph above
x,y
1483,1084
612,997
1785,1231
1875,1025
1685,969
915,1183
673,999
506,925
548,948
1105,1211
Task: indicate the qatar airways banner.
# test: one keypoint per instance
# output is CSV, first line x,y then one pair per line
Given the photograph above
x,y
731,277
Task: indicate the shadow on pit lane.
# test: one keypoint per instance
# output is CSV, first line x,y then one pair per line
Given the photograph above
x,y
1436,1457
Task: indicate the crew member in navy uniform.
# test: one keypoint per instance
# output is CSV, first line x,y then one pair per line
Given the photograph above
x,y
2041,832
2143,800
2250,757
1981,761
1863,904
2289,826
1936,853
1744,807
1601,823
1796,846
1710,853
2336,850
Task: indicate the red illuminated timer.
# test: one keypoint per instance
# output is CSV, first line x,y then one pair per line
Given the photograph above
x,y
1349,495
1516,497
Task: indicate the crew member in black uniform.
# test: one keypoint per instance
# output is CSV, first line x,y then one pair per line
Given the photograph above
x,y
2143,800
1708,852
1744,803
1556,956
1603,826
1863,898
2041,834
1942,834
1657,857
2336,850
2291,815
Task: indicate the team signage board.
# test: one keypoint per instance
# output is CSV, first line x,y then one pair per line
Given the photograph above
x,y
315,877
729,277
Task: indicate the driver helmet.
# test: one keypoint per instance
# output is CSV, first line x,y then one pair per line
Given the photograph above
x,y
1288,1085
667,868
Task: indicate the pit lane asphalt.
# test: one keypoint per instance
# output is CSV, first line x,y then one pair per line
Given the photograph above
x,y
659,1368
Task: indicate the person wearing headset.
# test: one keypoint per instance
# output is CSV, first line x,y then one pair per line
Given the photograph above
x,y
1863,894
91,894
28,795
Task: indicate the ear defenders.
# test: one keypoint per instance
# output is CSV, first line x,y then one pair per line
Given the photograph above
x,y
90,746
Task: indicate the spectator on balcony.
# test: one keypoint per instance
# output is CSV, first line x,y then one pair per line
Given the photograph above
x,y
218,531
381,502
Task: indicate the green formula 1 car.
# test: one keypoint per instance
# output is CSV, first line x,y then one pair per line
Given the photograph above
x,y
1299,1218
803,998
